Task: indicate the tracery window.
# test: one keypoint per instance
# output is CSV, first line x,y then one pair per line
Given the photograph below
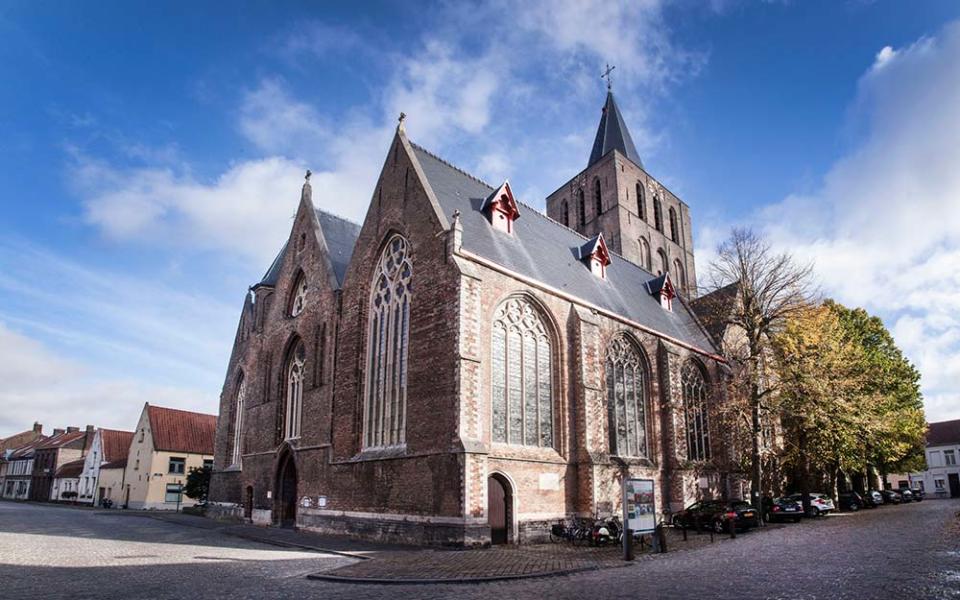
x,y
522,367
641,202
581,209
597,199
694,389
293,407
298,300
657,214
238,421
645,258
385,412
626,399
674,231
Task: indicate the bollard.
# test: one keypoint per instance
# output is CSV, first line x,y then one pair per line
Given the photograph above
x,y
627,544
733,529
642,545
711,535
684,529
662,538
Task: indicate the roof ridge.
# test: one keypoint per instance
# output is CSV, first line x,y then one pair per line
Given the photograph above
x,y
338,217
451,165
192,412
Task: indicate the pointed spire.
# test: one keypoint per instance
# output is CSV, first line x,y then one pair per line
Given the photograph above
x,y
613,135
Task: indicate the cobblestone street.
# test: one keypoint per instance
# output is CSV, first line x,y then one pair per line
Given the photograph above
x,y
910,551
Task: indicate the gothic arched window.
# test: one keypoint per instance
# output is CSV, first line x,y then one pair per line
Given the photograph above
x,y
664,261
237,450
680,275
298,299
385,412
641,202
581,209
694,387
293,407
645,259
626,398
597,200
657,214
565,214
522,370
674,230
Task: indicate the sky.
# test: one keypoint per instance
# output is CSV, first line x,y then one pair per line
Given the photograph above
x,y
151,157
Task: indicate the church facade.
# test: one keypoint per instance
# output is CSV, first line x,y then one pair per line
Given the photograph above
x,y
461,369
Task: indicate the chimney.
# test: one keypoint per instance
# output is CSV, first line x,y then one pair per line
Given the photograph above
x,y
89,429
57,431
73,429
37,428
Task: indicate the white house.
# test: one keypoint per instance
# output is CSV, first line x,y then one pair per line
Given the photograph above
x,y
109,445
942,477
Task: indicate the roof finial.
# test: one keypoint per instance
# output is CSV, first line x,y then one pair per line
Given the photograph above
x,y
400,126
306,192
606,75
307,176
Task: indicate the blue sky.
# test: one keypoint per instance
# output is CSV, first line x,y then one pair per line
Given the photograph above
x,y
152,157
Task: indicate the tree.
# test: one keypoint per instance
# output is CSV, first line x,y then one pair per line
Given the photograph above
x,y
198,484
753,292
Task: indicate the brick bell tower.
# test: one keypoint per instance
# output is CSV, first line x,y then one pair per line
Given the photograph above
x,y
640,219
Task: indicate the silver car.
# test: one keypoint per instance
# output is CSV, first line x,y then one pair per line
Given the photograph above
x,y
820,504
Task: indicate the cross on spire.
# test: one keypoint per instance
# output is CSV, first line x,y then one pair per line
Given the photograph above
x,y
606,75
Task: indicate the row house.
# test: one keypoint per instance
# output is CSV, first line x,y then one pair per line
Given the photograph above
x,y
109,446
62,447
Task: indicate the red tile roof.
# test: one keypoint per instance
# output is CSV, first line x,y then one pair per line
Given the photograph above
x,y
59,441
116,464
116,444
182,431
19,440
944,433
70,469
27,451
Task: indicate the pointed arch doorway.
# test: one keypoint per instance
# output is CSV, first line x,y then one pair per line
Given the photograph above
x,y
286,501
499,509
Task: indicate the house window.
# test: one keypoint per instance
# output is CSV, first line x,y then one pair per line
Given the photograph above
x,y
674,230
936,459
641,202
597,199
208,463
694,389
141,434
657,214
136,465
626,399
938,484
920,485
581,209
238,421
949,458
293,405
522,369
177,466
173,493
298,300
385,412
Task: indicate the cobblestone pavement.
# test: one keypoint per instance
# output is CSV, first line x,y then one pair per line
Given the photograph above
x,y
910,551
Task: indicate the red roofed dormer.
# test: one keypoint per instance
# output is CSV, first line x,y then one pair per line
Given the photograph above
x,y
501,208
663,289
596,255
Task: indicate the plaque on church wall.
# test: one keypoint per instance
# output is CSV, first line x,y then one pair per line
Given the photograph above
x,y
549,481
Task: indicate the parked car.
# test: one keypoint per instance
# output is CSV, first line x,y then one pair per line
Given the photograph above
x,y
783,509
905,495
872,499
918,494
820,504
851,501
891,497
716,514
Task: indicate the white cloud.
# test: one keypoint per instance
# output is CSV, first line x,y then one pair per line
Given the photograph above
x,y
884,228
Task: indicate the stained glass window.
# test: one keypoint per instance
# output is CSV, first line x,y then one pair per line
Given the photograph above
x,y
626,399
299,299
294,403
695,411
386,394
522,380
238,421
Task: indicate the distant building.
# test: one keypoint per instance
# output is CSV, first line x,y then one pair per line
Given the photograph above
x,y
942,477
166,445
53,453
11,444
109,445
66,482
18,471
111,483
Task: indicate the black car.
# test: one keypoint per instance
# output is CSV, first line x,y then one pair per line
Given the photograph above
x,y
905,495
872,499
891,497
918,494
851,501
716,515
783,509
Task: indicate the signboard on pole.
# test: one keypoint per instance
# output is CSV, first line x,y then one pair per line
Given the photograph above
x,y
639,506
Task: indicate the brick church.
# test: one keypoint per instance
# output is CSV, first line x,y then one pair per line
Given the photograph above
x,y
461,369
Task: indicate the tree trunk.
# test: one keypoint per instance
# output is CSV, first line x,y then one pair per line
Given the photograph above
x,y
756,439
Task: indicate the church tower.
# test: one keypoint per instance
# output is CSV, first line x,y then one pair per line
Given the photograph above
x,y
639,218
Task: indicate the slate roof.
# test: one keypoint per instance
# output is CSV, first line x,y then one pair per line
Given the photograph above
x,y
612,134
341,236
116,444
70,469
546,251
181,431
26,451
943,433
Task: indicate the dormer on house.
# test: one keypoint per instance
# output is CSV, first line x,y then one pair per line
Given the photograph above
x,y
662,289
501,208
595,254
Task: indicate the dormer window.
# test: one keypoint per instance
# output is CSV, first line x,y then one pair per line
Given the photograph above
x,y
662,289
501,208
596,255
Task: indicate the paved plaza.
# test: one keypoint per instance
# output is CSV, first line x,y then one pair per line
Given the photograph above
x,y
910,551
